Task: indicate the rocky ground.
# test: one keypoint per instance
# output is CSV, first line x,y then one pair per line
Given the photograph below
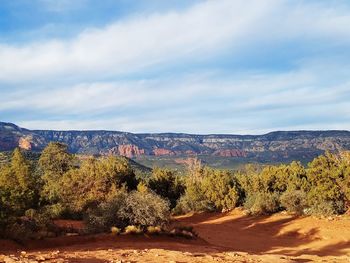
x,y
232,237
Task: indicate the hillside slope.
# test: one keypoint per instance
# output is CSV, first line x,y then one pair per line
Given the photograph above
x,y
275,146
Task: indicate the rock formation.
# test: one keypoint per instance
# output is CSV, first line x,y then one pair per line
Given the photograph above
x,y
274,146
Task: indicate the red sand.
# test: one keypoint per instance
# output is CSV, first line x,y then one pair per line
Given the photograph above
x,y
232,237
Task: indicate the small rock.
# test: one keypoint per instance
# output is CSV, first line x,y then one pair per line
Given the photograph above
x,y
40,258
233,254
9,260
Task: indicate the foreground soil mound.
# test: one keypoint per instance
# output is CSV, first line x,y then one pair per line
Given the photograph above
x,y
231,237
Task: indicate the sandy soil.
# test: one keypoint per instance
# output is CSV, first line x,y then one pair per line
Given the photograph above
x,y
232,237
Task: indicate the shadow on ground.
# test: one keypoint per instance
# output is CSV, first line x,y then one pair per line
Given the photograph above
x,y
276,234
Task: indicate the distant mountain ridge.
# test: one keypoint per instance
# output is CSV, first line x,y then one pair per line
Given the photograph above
x,y
274,146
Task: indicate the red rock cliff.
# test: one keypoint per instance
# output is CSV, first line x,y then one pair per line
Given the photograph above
x,y
130,150
161,151
230,153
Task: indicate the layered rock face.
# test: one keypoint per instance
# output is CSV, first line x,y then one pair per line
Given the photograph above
x,y
230,153
130,150
161,152
277,146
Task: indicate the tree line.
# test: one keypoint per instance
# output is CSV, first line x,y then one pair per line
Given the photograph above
x,y
106,193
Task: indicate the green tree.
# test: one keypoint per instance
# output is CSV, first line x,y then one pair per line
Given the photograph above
x,y
94,182
221,188
165,183
209,190
54,162
17,184
326,176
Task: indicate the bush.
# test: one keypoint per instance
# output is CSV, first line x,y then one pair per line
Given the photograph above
x,y
54,211
262,203
115,230
326,208
94,182
154,230
104,216
145,209
193,200
294,201
133,230
36,227
221,188
166,184
210,190
327,175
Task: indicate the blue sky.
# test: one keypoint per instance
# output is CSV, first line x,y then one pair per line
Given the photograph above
x,y
220,66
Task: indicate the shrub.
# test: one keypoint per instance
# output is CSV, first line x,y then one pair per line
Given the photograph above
x,y
19,231
115,230
326,175
102,217
262,203
210,190
221,189
167,184
94,182
294,201
53,211
145,209
193,200
134,230
326,208
154,230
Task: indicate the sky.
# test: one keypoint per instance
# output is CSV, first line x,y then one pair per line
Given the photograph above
x,y
192,66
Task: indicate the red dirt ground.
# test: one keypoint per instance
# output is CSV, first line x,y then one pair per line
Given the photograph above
x,y
231,237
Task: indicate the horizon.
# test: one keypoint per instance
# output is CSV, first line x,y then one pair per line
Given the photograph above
x,y
193,67
179,133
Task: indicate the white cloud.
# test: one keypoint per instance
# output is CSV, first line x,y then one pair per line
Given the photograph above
x,y
78,83
139,42
207,103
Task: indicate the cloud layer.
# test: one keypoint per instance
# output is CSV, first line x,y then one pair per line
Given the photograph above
x,y
214,67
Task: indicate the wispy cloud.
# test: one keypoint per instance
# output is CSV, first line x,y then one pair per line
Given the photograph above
x,y
217,66
204,103
201,32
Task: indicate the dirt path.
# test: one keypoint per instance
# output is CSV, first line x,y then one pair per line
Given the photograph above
x,y
231,237
277,234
